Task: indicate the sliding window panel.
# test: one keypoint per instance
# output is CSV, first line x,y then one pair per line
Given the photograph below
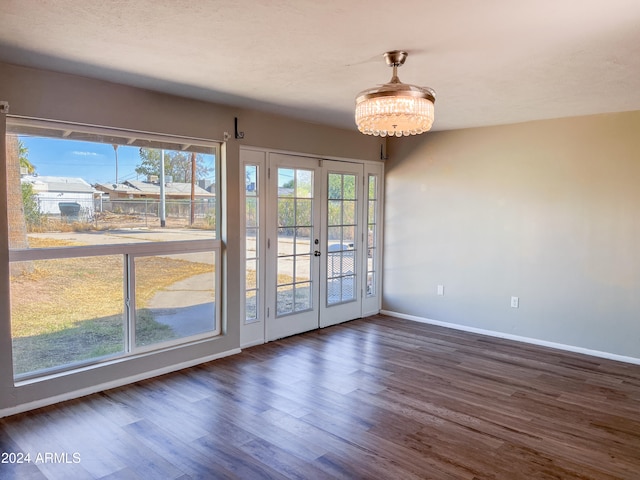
x,y
66,312
74,181
175,298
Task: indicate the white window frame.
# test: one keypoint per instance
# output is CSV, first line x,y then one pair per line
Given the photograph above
x,y
128,250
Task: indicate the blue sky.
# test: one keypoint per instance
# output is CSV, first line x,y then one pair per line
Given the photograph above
x,y
93,162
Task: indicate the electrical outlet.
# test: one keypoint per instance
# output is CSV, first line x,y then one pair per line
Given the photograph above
x,y
440,290
515,302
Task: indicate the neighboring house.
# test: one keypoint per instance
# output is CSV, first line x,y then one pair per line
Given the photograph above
x,y
133,189
51,192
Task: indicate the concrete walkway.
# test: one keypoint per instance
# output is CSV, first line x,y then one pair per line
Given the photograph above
x,y
186,306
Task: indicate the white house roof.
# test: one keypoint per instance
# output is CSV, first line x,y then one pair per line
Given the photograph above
x,y
173,188
120,187
153,189
58,184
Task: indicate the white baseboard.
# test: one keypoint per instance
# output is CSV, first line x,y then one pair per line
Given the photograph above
x,y
113,384
517,338
253,343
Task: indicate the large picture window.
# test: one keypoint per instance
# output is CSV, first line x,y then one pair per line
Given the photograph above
x,y
113,243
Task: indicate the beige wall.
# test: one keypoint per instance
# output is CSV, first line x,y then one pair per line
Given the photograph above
x,y
548,211
55,96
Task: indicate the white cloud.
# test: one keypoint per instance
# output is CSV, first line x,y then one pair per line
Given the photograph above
x,y
86,154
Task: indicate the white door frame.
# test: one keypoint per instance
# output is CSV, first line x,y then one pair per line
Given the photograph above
x,y
257,329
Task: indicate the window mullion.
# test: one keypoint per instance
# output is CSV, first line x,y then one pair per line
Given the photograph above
x,y
129,280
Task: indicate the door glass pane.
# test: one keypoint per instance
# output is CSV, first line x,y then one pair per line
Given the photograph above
x,y
372,212
251,210
302,296
175,296
303,212
303,268
251,242
295,245
303,244
251,307
284,299
334,212
304,183
341,245
334,236
285,270
349,212
349,235
334,191
348,285
286,212
349,182
250,278
285,241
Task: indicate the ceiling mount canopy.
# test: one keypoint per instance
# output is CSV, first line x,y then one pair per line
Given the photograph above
x,y
395,108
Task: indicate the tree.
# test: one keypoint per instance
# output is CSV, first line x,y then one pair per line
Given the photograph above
x,y
23,155
32,215
15,206
176,164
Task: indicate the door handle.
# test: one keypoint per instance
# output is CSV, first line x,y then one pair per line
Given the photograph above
x,y
316,253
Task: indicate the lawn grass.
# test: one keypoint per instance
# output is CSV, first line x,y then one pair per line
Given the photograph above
x,y
69,310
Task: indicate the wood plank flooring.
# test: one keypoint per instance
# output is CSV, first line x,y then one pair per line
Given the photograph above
x,y
377,398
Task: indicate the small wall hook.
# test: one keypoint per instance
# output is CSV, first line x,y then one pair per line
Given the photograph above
x,y
382,155
238,134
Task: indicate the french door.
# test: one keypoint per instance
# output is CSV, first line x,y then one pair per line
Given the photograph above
x,y
293,246
310,251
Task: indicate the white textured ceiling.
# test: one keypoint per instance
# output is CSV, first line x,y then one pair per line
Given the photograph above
x,y
489,61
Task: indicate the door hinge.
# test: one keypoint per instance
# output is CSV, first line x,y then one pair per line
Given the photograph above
x,y
268,243
268,312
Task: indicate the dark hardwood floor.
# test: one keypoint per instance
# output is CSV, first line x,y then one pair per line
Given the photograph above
x,y
378,398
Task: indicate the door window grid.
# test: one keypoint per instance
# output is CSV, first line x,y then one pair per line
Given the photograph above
x,y
341,245
295,231
252,233
372,211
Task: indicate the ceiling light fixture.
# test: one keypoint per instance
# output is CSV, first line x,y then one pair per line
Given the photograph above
x,y
395,108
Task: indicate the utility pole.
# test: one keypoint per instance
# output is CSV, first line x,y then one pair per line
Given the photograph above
x,y
163,214
115,149
193,188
